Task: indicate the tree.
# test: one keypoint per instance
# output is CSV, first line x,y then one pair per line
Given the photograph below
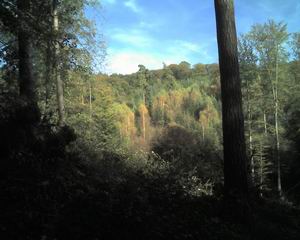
x,y
255,112
235,172
184,149
182,71
59,83
247,61
199,70
144,121
14,25
296,45
269,41
295,64
73,37
27,84
143,77
51,47
168,78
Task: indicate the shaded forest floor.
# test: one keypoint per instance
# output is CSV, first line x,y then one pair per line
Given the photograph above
x,y
56,187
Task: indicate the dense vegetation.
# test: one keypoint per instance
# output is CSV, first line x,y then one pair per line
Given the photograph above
x,y
139,156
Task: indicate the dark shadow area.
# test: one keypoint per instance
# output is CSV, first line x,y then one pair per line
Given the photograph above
x,y
52,189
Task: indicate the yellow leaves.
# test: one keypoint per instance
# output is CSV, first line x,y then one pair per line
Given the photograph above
x,y
144,121
176,98
193,96
135,128
143,110
169,104
209,116
125,121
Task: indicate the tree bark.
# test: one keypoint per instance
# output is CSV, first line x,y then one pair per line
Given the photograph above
x,y
90,108
26,80
265,123
235,160
249,116
275,94
90,99
261,180
59,83
48,62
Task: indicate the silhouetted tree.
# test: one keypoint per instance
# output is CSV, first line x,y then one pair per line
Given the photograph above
x,y
27,85
59,83
235,170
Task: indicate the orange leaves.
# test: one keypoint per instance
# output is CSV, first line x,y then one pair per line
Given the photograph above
x,y
144,121
125,121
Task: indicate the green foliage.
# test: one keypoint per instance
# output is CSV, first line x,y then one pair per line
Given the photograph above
x,y
182,71
268,80
55,188
188,153
90,111
140,157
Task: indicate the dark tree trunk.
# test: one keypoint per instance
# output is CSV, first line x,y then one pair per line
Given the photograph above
x,y
48,72
27,84
30,114
235,160
57,65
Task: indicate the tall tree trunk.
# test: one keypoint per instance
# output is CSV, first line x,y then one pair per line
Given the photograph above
x,y
90,99
48,73
261,180
261,151
143,122
278,152
59,83
90,108
26,80
128,127
251,149
249,116
275,94
82,93
235,160
265,123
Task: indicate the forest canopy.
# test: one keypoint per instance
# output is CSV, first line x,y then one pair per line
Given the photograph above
x,y
91,155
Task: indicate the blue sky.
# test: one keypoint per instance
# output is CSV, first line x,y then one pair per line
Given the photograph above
x,y
151,32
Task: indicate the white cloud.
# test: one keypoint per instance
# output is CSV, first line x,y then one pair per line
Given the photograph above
x,y
189,46
136,46
109,1
147,25
188,51
131,4
126,62
133,37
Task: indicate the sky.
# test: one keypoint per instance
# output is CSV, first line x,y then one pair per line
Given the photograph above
x,y
153,32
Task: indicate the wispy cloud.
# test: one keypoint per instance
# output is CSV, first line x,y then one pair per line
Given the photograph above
x,y
149,25
127,61
264,10
132,5
133,37
151,32
189,51
109,1
189,46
